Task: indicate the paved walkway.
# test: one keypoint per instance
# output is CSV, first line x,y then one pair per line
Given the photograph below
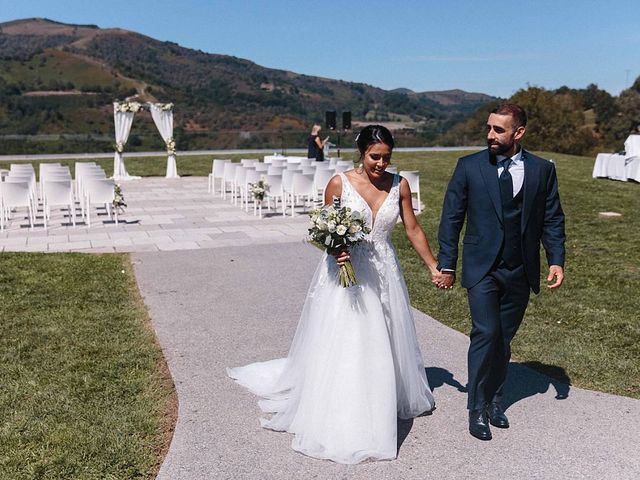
x,y
236,305
163,214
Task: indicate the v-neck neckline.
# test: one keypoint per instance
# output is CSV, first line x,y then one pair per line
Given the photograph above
x,y
373,217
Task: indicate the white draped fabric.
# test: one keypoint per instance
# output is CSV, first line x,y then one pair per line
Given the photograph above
x,y
632,146
164,121
123,121
620,167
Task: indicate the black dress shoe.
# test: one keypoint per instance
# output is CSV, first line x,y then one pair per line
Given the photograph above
x,y
497,416
479,425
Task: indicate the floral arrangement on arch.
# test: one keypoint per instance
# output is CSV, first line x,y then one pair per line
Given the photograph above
x,y
118,147
165,106
171,146
126,107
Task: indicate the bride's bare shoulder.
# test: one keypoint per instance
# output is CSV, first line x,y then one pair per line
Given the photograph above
x,y
334,187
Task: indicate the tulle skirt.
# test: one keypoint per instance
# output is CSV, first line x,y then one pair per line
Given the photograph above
x,y
354,365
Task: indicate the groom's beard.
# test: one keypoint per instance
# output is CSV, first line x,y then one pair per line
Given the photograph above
x,y
497,148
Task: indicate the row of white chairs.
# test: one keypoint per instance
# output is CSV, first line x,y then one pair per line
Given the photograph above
x,y
288,185
56,189
236,179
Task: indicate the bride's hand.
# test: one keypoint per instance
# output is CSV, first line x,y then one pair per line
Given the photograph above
x,y
341,257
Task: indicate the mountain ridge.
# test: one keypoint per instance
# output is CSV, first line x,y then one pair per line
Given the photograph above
x,y
212,92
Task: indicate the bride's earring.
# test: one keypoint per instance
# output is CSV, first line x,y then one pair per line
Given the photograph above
x,y
360,168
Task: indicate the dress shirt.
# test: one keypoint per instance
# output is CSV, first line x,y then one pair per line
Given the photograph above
x,y
516,169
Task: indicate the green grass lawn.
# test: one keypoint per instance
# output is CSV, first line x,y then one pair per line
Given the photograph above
x,y
85,391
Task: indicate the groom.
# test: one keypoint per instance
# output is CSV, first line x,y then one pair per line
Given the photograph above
x,y
510,200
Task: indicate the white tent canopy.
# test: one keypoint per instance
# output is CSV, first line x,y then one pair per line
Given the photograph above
x,y
162,114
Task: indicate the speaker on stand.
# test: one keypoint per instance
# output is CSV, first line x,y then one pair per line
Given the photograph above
x,y
330,119
346,120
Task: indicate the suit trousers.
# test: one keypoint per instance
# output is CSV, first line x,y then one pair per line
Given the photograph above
x,y
497,304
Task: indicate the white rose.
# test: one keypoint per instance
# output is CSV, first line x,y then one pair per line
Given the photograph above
x,y
341,230
331,226
355,228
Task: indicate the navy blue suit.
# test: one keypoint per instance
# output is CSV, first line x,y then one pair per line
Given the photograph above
x,y
498,295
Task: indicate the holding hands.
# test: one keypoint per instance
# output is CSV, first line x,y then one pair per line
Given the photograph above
x,y
442,280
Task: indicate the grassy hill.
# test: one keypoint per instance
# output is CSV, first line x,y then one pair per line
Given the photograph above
x,y
61,79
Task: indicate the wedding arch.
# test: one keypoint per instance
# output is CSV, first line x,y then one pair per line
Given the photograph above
x,y
162,114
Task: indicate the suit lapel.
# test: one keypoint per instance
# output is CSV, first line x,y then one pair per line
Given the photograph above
x,y
531,180
489,173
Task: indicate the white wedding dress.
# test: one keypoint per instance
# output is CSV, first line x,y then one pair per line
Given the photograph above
x,y
354,365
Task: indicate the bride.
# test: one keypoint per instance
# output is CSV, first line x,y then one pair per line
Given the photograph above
x,y
354,365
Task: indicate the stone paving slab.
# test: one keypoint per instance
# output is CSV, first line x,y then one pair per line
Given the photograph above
x,y
237,305
162,214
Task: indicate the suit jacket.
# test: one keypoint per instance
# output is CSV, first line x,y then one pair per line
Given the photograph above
x,y
474,192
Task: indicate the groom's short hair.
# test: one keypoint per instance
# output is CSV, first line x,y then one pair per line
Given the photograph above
x,y
516,111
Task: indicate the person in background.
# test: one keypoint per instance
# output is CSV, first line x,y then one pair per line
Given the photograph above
x,y
316,146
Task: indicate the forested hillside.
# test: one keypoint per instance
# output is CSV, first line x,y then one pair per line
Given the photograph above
x,y
58,79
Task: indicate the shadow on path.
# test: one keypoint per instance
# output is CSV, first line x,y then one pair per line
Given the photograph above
x,y
531,378
439,376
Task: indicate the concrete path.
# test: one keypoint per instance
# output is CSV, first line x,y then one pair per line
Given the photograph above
x,y
214,308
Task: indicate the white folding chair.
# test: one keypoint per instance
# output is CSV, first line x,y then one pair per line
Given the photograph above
x,y
30,179
339,168
344,163
413,178
287,181
251,177
239,185
273,170
320,180
58,193
248,162
16,195
101,192
275,191
85,176
301,186
217,168
305,162
228,175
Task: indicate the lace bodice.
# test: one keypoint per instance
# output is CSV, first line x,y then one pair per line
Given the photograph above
x,y
387,215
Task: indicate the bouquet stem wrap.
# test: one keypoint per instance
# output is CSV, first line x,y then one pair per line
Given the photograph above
x,y
347,275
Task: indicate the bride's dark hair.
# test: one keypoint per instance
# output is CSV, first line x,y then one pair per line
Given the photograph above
x,y
373,134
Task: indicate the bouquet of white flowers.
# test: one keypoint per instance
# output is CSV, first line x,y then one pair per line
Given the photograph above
x,y
259,189
336,228
118,199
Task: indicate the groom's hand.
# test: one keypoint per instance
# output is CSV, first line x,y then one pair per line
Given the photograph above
x,y
444,280
555,272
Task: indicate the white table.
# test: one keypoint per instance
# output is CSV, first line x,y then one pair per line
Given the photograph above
x,y
632,169
620,167
632,146
600,167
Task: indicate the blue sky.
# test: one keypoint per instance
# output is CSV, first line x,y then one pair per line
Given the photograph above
x,y
494,47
